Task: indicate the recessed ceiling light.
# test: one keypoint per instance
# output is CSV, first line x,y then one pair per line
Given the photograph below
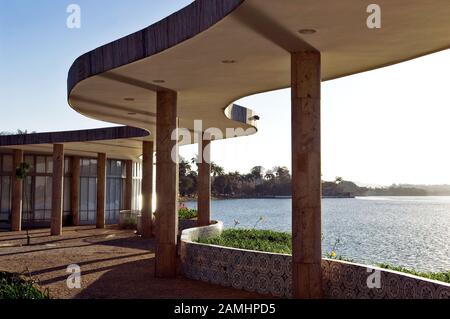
x,y
229,61
159,81
129,99
307,31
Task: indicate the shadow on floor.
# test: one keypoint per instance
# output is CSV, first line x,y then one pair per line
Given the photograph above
x,y
136,280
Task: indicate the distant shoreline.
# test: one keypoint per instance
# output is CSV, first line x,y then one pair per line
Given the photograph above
x,y
190,199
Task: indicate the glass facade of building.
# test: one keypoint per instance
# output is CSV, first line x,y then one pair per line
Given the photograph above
x,y
88,191
6,170
136,204
115,185
37,191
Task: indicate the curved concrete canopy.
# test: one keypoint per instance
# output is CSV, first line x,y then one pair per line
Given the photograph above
x,y
117,142
215,52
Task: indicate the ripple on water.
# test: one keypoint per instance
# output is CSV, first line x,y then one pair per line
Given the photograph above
x,y
413,232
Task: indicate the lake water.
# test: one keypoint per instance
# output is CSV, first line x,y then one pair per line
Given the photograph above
x,y
413,232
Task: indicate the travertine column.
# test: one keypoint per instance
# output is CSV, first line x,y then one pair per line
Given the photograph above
x,y
75,191
16,205
128,185
204,182
166,185
306,175
147,189
101,189
57,189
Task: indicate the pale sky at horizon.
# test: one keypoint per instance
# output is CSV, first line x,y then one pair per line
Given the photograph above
x,y
379,127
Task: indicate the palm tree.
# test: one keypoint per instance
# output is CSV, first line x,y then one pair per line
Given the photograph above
x,y
269,175
217,170
257,172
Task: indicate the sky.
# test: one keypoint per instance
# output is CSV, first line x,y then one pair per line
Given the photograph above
x,y
381,127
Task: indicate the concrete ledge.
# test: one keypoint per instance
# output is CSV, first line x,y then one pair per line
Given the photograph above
x,y
269,273
195,233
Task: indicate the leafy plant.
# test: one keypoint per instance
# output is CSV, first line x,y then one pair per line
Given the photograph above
x,y
260,220
22,170
252,239
186,213
333,253
17,286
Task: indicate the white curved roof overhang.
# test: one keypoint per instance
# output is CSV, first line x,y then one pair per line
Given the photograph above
x,y
124,143
187,50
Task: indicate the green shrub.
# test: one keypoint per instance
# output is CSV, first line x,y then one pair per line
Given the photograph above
x,y
16,286
186,213
252,239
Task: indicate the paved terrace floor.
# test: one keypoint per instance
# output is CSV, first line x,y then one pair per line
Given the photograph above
x,y
114,263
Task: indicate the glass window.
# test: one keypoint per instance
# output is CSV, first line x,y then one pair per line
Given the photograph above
x,y
93,167
67,165
108,167
5,194
7,163
84,215
118,196
124,170
92,194
39,215
114,193
40,164
84,194
30,161
114,167
66,189
49,161
83,170
48,193
27,195
39,193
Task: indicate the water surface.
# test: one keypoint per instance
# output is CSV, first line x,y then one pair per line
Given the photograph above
x,y
413,232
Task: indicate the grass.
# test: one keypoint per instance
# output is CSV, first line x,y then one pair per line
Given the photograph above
x,y
252,239
186,213
16,286
440,276
278,242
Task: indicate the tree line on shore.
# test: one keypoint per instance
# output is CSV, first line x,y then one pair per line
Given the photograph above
x,y
276,182
257,183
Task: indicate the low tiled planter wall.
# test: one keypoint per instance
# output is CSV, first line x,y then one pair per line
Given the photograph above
x,y
349,280
128,218
268,273
184,224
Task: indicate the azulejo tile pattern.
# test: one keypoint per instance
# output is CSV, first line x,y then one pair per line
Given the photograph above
x,y
241,269
268,273
348,280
